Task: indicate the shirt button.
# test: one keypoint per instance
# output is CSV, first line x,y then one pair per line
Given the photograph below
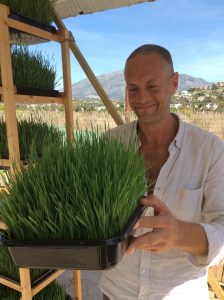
x,y
143,272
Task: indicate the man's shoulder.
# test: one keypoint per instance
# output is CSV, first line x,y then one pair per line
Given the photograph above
x,y
125,128
126,133
201,136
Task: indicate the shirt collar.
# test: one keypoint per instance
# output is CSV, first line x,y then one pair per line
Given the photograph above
x,y
180,133
177,141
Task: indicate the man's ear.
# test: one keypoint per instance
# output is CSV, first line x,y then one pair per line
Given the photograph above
x,y
174,82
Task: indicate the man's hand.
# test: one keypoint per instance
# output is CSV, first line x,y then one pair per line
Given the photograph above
x,y
165,228
168,232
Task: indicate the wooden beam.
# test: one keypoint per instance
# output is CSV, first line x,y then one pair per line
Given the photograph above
x,y
32,30
25,284
3,226
8,89
30,99
127,108
10,283
67,84
77,285
46,281
5,163
95,83
90,75
213,282
1,89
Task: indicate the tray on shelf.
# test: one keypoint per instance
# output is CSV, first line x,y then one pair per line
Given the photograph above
x,y
23,19
79,254
37,92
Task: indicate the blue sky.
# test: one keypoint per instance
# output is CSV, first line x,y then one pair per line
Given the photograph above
x,y
193,31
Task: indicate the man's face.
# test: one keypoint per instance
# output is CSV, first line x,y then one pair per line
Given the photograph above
x,y
150,85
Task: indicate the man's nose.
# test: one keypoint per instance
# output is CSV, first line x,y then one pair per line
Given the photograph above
x,y
142,96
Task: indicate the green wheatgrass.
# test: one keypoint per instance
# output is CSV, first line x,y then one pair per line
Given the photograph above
x,y
32,69
87,189
33,133
54,291
38,10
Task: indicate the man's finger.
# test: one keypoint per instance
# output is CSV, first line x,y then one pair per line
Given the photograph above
x,y
147,240
156,203
153,222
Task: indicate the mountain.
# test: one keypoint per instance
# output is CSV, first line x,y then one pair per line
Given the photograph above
x,y
187,81
114,85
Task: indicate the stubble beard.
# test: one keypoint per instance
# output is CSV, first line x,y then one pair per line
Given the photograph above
x,y
150,119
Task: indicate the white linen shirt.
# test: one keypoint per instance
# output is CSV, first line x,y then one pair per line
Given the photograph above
x,y
191,184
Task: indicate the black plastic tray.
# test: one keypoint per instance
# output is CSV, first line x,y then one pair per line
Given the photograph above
x,y
31,22
65,254
37,92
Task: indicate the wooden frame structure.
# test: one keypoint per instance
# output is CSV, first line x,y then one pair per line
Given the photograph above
x,y
8,91
10,97
8,94
214,282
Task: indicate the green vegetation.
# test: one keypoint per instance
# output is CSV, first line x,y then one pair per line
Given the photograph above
x,y
200,99
38,10
33,134
32,69
87,189
96,105
54,291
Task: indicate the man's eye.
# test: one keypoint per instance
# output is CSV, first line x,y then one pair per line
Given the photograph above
x,y
151,87
132,90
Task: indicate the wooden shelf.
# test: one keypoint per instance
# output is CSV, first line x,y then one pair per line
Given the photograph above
x,y
5,163
32,22
18,25
10,283
3,225
32,99
42,282
9,96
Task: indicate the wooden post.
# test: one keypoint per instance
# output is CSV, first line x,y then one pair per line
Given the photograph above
x,y
95,83
69,120
127,107
213,282
90,75
67,83
25,284
8,90
77,285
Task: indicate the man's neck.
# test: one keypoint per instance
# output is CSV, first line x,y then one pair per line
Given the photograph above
x,y
158,134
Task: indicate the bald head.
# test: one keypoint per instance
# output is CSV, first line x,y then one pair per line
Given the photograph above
x,y
148,49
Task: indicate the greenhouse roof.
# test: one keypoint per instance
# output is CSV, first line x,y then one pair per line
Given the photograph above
x,y
72,8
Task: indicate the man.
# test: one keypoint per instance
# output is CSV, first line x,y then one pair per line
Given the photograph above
x,y
182,231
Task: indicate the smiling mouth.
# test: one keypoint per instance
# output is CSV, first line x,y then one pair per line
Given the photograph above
x,y
145,107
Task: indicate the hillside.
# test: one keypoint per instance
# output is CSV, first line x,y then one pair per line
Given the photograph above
x,y
114,85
